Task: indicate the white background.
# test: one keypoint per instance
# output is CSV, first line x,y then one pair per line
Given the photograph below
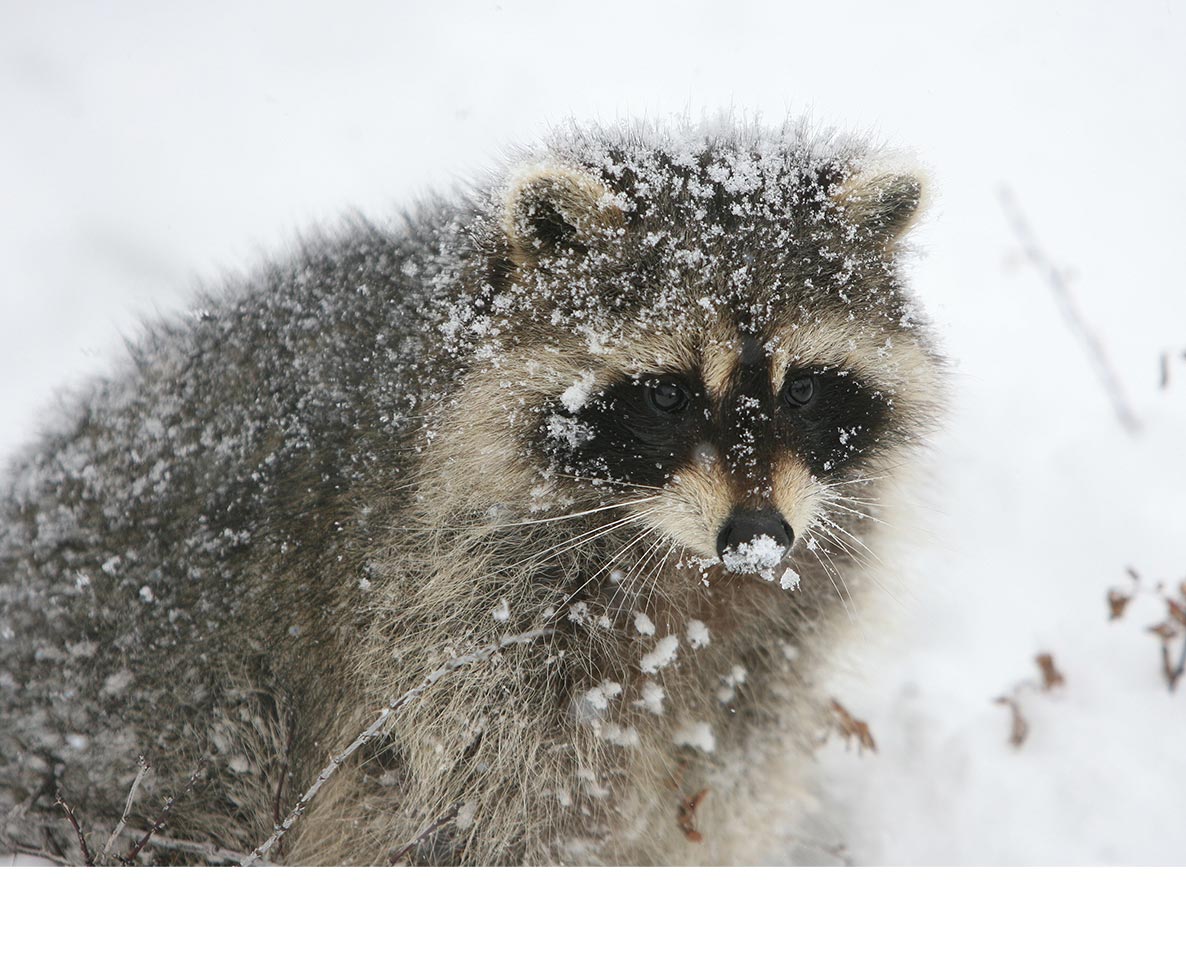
x,y
146,145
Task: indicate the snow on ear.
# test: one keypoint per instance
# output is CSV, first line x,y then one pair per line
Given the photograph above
x,y
555,208
882,205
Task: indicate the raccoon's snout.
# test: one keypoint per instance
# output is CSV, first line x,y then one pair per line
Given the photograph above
x,y
746,525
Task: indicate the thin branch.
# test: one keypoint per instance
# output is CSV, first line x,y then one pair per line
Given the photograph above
x,y
373,730
162,819
19,848
1070,310
87,858
290,734
1172,671
143,770
445,819
207,850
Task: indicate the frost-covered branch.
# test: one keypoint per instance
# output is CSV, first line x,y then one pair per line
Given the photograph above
x,y
143,770
1071,313
161,820
375,728
399,854
206,850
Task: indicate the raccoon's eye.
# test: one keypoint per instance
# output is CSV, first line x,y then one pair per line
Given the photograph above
x,y
667,397
800,391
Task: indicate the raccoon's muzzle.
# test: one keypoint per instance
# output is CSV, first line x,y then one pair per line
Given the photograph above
x,y
746,525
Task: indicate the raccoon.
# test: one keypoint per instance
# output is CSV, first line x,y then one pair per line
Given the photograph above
x,y
563,484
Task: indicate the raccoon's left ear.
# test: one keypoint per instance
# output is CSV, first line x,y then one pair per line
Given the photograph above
x,y
554,209
882,206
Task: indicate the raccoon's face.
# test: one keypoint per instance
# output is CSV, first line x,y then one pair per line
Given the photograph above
x,y
719,381
733,444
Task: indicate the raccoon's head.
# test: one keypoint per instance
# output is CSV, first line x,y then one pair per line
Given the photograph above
x,y
711,338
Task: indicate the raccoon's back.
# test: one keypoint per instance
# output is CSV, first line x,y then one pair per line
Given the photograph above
x,y
171,555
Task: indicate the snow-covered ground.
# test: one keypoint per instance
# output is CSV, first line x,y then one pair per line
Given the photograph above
x,y
147,145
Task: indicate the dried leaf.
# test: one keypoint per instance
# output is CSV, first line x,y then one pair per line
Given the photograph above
x,y
1019,728
1165,631
1117,602
1051,676
687,815
1177,612
850,727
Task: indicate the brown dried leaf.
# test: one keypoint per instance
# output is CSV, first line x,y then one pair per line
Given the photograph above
x,y
850,727
687,815
1019,728
1117,602
1165,631
1177,612
1051,676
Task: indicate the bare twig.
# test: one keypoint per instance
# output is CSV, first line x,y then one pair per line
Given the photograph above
x,y
162,819
1071,313
1172,671
143,770
19,848
372,731
445,819
207,850
1019,727
290,734
87,858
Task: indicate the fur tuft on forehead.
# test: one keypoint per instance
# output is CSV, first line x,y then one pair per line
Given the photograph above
x,y
616,236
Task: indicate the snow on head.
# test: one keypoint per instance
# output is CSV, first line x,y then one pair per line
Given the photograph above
x,y
760,555
576,396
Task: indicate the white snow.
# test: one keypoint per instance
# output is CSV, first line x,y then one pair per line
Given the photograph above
x,y
644,624
698,634
623,736
661,656
600,696
577,395
760,555
696,734
651,698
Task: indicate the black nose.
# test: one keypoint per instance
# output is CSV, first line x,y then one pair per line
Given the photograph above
x,y
746,525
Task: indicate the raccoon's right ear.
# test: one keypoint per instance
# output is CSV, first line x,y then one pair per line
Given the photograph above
x,y
553,209
883,206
